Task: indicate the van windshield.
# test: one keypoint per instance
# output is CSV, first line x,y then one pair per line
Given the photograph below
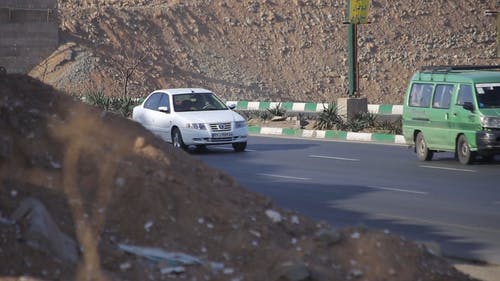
x,y
488,95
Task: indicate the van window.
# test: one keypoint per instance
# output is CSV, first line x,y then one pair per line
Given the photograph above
x,y
465,95
488,95
442,96
420,95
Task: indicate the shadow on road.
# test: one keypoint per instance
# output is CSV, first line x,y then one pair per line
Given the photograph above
x,y
322,201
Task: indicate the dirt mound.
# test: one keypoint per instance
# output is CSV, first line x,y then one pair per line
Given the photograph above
x,y
274,50
108,183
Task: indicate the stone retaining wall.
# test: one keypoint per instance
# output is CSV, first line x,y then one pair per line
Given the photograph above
x,y
28,32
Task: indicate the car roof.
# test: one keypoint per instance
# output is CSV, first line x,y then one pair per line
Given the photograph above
x,y
472,76
460,74
176,91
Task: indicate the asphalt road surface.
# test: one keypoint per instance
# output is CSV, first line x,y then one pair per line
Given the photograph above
x,y
379,186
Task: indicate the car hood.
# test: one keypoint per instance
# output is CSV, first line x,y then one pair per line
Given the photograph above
x,y
490,112
215,116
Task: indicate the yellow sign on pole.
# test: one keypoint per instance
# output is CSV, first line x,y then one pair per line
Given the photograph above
x,y
358,11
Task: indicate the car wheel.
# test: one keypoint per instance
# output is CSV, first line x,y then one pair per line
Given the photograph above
x,y
423,152
177,141
464,154
239,146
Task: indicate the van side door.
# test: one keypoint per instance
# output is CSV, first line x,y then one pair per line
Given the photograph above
x,y
439,117
417,113
463,121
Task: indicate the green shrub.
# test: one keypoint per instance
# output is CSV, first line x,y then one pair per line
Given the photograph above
x,y
265,115
277,110
122,105
330,119
391,127
361,121
249,114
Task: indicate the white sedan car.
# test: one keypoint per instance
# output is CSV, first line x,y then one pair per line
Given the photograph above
x,y
190,116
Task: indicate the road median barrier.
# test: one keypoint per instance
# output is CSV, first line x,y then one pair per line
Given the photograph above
x,y
327,134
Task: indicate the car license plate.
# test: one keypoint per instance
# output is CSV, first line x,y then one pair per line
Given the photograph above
x,y
222,135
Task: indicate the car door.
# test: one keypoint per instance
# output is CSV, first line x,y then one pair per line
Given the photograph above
x,y
163,117
148,114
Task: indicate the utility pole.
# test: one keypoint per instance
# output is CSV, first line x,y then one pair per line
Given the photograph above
x,y
497,13
357,13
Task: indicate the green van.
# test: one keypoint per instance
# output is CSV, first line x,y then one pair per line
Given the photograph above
x,y
455,109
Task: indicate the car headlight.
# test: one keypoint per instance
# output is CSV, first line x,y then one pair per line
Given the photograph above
x,y
240,124
196,126
490,122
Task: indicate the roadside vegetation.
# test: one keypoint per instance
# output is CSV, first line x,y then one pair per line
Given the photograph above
x,y
121,105
328,119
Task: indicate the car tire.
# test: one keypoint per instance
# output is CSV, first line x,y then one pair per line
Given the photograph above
x,y
239,146
421,148
177,141
464,154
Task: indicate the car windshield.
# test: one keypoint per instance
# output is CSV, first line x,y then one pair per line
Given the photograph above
x,y
197,102
488,95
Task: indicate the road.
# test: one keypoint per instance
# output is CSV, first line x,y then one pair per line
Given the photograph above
x,y
379,186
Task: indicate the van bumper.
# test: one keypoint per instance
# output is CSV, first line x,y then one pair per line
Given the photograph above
x,y
488,141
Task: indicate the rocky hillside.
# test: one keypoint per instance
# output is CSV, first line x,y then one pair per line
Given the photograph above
x,y
261,50
108,185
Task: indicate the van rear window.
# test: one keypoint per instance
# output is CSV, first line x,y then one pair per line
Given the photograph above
x,y
420,95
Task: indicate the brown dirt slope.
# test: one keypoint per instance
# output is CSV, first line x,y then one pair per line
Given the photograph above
x,y
107,181
261,50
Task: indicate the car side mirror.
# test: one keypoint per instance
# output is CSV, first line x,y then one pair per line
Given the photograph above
x,y
468,106
232,106
164,109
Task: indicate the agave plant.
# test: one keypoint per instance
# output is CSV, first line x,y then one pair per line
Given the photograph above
x,y
277,110
330,118
122,105
362,121
391,127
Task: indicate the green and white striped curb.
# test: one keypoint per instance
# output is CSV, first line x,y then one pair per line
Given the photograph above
x,y
386,109
383,109
328,134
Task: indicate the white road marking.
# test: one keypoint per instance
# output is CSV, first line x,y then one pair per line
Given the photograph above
x,y
229,148
333,157
399,190
283,177
425,221
449,169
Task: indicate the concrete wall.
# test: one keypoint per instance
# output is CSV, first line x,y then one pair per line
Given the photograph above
x,y
28,33
29,4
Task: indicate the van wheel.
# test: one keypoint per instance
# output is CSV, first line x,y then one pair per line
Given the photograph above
x,y
177,141
465,156
423,152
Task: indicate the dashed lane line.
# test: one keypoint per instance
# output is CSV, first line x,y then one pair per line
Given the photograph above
x,y
333,157
283,177
399,190
448,169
